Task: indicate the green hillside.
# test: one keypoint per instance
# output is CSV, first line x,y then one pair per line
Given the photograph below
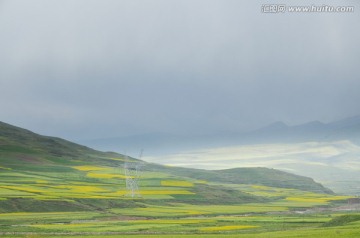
x,y
51,185
16,141
260,176
25,152
40,173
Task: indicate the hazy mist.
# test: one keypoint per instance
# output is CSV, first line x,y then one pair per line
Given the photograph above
x,y
89,69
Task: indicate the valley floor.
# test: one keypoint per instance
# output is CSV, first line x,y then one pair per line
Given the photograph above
x,y
111,225
344,232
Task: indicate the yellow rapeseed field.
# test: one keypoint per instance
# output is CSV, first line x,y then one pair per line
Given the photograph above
x,y
176,183
88,168
118,159
316,199
98,175
24,189
164,192
41,181
260,187
172,211
82,189
225,228
173,221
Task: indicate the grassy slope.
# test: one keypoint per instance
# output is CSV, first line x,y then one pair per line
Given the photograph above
x,y
39,173
26,146
82,190
260,176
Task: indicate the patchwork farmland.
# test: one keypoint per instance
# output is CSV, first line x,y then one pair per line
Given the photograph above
x,y
51,186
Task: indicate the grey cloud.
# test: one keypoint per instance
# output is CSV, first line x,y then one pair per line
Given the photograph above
x,y
87,69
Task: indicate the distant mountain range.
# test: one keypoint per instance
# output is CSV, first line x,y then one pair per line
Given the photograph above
x,y
346,129
278,132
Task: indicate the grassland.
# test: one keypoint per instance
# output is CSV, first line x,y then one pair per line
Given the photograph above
x,y
221,226
51,187
37,203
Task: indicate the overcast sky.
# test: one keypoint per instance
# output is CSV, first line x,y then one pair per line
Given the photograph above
x,y
83,69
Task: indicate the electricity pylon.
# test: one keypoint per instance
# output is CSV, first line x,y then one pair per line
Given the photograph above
x,y
132,174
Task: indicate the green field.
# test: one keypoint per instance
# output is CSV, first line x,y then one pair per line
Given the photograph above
x,y
51,187
93,223
36,203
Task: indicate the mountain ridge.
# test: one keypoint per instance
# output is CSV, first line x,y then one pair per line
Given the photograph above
x,y
277,132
